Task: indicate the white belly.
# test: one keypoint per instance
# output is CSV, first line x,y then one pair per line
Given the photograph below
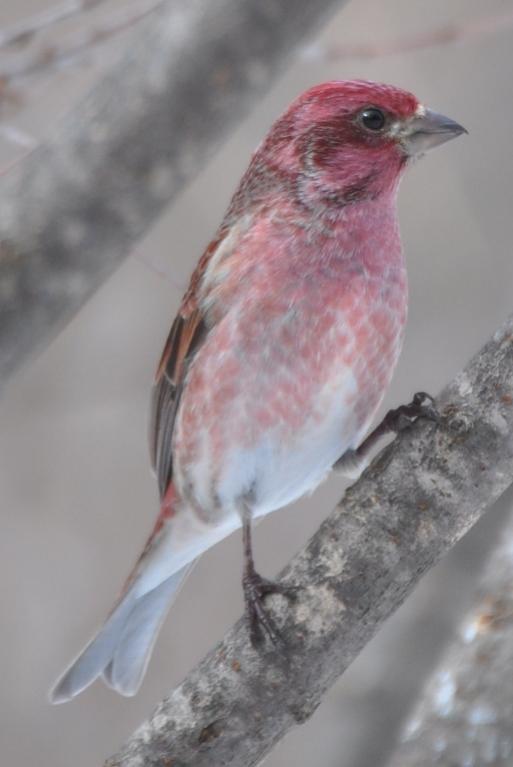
x,y
278,472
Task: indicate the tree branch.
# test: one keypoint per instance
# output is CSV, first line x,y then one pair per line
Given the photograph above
x,y
420,496
40,59
463,31
72,209
466,710
23,31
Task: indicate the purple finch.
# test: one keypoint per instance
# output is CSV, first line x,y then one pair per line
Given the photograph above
x,y
280,354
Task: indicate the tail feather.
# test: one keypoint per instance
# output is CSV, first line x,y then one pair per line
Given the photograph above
x,y
122,648
94,657
133,651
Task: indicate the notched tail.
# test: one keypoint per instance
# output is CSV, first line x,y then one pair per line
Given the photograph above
x,y
121,649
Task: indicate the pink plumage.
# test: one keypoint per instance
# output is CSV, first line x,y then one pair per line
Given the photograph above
x,y
281,352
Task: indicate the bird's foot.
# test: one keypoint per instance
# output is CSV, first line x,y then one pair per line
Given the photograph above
x,y
421,406
396,420
261,625
353,462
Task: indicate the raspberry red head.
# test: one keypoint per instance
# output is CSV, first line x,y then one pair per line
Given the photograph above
x,y
350,140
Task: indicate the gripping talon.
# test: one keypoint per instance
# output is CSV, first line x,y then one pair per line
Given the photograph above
x,y
261,625
402,417
398,419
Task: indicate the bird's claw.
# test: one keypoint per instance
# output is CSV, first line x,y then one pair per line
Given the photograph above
x,y
421,406
261,625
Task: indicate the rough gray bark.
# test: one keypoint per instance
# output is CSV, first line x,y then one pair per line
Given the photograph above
x,y
72,209
419,496
465,716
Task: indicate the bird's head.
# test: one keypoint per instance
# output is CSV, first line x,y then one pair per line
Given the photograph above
x,y
351,140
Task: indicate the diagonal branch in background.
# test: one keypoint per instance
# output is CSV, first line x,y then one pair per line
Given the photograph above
x,y
466,710
463,31
420,496
72,209
39,59
22,32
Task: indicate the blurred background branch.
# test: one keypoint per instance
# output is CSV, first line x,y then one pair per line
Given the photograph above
x,y
465,713
462,31
31,61
416,500
73,208
23,54
23,31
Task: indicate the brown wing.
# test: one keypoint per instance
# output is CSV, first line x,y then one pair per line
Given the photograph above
x,y
184,338
187,333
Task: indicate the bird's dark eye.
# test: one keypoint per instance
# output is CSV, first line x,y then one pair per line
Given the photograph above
x,y
372,119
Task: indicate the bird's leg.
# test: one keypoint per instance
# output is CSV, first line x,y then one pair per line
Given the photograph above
x,y
256,588
396,420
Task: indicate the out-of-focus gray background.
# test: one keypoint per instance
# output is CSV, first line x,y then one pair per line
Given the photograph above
x,y
77,496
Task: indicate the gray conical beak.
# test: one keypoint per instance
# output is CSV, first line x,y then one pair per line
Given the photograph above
x,y
428,130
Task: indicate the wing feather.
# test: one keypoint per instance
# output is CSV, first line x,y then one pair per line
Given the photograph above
x,y
187,333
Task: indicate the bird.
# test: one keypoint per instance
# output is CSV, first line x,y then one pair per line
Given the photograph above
x,y
281,352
